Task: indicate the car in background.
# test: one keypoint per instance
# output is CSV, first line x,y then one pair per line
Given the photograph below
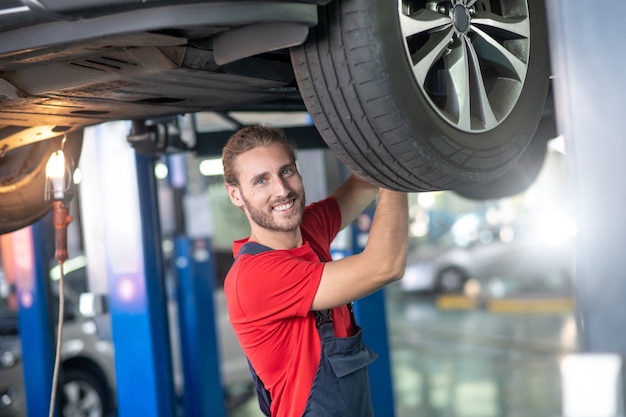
x,y
413,95
235,373
12,402
530,253
87,375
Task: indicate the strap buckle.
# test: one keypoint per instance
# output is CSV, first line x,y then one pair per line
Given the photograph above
x,y
322,317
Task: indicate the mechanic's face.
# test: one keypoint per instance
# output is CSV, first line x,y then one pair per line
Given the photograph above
x,y
270,188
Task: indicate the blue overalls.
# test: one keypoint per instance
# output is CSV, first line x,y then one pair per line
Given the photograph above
x,y
341,385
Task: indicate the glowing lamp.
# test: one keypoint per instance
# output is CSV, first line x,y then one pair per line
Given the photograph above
x,y
55,172
55,189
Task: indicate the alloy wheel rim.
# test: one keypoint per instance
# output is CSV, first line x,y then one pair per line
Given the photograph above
x,y
468,57
81,400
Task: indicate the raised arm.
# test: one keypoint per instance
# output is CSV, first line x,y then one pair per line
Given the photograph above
x,y
381,262
353,196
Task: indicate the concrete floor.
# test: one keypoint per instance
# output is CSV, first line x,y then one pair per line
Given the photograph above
x,y
464,361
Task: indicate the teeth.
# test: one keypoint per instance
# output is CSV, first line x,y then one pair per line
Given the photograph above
x,y
282,207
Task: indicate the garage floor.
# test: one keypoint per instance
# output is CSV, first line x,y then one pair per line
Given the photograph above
x,y
455,359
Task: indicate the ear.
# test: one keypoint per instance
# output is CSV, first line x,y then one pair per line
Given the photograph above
x,y
234,193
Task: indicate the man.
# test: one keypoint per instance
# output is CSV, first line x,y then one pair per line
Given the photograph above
x,y
283,280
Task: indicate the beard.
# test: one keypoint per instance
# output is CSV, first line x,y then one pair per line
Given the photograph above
x,y
266,220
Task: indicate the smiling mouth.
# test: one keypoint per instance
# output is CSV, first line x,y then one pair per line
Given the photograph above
x,y
284,206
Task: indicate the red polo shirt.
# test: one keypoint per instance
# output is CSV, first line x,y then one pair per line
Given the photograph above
x,y
269,296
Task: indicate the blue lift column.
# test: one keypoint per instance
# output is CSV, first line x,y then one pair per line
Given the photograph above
x,y
371,313
203,393
121,188
25,254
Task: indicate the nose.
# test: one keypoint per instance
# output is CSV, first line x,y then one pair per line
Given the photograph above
x,y
281,187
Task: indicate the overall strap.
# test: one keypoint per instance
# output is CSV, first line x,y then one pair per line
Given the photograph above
x,y
253,248
263,395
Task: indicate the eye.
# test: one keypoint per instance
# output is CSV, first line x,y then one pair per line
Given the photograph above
x,y
259,181
287,171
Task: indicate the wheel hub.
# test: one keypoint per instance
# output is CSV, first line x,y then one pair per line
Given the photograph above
x,y
461,17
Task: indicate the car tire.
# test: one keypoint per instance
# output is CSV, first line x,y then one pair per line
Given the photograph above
x,y
355,79
82,394
451,281
522,175
23,180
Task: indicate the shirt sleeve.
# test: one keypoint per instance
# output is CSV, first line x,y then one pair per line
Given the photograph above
x,y
321,224
276,286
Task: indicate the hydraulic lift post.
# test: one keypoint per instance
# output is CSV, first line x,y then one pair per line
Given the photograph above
x,y
122,215
588,59
25,255
203,393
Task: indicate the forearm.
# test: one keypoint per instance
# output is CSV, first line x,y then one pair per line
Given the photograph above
x,y
382,261
387,244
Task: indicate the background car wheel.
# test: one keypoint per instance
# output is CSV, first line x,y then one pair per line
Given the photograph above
x,y
423,95
23,180
82,395
451,281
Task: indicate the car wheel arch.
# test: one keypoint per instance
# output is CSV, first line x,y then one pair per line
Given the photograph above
x,y
23,180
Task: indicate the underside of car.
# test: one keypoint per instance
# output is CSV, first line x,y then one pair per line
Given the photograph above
x,y
412,95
